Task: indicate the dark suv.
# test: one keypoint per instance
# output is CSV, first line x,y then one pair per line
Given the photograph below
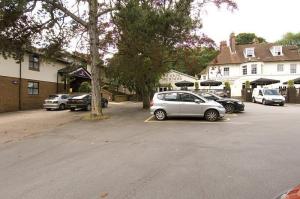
x,y
84,101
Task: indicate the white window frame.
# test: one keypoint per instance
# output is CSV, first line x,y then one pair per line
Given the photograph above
x,y
254,66
280,67
244,68
249,52
277,51
226,71
293,68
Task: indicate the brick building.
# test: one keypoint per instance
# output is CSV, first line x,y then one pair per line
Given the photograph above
x,y
27,84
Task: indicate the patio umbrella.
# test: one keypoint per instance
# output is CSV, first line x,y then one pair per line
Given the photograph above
x,y
184,83
210,83
264,81
296,81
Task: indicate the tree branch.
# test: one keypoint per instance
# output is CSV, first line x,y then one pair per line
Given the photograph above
x,y
67,12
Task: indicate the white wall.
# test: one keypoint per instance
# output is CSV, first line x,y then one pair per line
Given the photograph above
x,y
48,69
264,70
173,77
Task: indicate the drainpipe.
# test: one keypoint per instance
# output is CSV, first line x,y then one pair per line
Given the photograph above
x,y
20,85
57,82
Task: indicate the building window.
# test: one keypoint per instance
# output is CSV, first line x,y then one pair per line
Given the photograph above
x,y
279,67
34,62
204,77
244,68
249,52
226,71
254,69
33,88
293,68
277,50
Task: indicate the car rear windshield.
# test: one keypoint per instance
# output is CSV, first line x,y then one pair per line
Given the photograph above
x,y
271,92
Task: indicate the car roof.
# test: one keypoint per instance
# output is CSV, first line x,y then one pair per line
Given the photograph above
x,y
175,91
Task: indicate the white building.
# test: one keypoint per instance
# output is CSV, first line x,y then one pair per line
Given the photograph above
x,y
169,79
240,63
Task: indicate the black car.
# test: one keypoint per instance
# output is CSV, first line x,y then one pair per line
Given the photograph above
x,y
84,101
230,105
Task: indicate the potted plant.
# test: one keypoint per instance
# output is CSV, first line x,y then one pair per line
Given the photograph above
x,y
227,89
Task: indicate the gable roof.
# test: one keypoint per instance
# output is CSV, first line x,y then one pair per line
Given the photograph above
x,y
262,53
180,73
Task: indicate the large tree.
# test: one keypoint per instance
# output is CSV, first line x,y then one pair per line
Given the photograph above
x,y
248,38
52,25
290,39
150,33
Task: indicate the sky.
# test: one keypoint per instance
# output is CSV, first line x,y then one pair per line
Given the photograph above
x,y
269,19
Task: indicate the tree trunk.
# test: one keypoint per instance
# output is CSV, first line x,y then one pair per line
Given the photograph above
x,y
95,59
146,100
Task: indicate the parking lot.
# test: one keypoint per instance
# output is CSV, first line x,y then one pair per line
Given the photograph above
x,y
245,155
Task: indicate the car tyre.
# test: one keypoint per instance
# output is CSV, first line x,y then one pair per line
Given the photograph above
x,y
281,104
229,108
160,115
105,105
48,109
72,109
253,100
211,115
62,107
264,102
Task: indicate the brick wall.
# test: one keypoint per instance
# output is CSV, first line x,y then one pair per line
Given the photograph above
x,y
9,94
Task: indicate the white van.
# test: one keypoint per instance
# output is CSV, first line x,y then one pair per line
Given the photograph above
x,y
267,96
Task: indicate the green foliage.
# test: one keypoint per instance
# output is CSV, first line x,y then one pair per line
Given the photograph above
x,y
196,85
290,39
192,60
227,85
85,87
291,84
170,87
248,38
247,84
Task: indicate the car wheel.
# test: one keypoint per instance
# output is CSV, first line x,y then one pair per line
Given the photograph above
x,y
72,109
105,105
264,102
253,100
211,115
281,104
160,115
48,109
88,107
62,107
229,108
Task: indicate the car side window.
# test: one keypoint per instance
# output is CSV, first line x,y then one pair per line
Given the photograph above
x,y
186,97
260,92
64,97
170,97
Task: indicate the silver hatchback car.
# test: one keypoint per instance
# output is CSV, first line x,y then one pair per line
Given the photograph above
x,y
184,103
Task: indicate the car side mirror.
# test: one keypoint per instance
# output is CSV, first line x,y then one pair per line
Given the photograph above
x,y
197,101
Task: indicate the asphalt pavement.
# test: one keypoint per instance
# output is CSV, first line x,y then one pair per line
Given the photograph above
x,y
248,155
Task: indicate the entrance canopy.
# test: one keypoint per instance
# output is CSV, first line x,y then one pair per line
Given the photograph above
x,y
210,83
296,81
264,81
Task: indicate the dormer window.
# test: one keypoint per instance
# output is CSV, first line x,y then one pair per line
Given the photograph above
x,y
276,51
249,52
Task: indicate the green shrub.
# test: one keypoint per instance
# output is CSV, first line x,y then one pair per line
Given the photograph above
x,y
85,87
247,84
227,85
290,83
196,85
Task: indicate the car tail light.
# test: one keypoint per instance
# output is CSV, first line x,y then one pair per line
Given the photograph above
x,y
151,103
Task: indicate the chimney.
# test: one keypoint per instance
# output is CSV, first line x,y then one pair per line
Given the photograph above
x,y
223,44
232,43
